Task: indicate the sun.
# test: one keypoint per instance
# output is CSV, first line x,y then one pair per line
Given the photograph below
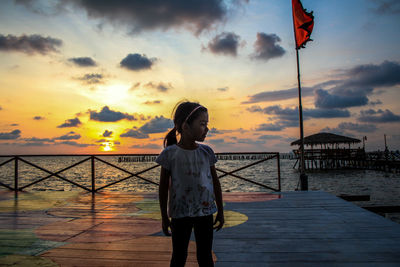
x,y
107,146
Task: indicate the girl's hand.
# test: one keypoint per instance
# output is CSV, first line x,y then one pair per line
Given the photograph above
x,y
220,220
166,223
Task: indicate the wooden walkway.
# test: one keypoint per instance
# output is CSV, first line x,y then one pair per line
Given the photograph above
x,y
122,229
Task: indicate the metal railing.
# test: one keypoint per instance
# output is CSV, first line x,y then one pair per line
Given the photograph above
x,y
260,157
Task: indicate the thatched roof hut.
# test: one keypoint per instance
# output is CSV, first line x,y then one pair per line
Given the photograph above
x,y
326,138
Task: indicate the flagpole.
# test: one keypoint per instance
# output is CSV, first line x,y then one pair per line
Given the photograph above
x,y
303,176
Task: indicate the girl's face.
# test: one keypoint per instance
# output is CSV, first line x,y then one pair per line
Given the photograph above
x,y
199,127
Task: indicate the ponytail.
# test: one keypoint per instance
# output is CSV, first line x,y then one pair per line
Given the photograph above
x,y
170,139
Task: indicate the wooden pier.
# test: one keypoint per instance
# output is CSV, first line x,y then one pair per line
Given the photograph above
x,y
331,159
328,152
123,229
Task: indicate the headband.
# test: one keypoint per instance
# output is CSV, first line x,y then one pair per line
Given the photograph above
x,y
191,113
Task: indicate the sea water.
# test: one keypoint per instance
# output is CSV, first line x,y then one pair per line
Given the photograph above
x,y
383,187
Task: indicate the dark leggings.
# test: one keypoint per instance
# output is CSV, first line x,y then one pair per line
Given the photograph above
x,y
203,232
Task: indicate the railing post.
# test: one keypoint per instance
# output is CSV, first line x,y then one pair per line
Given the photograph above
x,y
93,174
279,171
16,175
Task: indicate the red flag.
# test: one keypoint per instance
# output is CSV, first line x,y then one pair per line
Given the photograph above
x,y
303,23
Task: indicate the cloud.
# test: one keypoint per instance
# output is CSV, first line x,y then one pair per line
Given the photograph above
x,y
108,115
138,16
325,113
361,128
218,141
289,117
34,141
65,140
10,135
154,102
292,114
378,116
162,87
137,62
384,7
226,43
157,125
255,109
377,102
107,133
274,127
279,95
92,78
47,8
147,146
134,86
351,88
29,44
223,89
137,134
266,47
73,143
370,75
358,83
69,136
83,61
213,132
70,123
364,77
34,144
269,137
250,141
38,118
39,140
323,99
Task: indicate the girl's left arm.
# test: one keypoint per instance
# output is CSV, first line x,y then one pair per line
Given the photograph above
x,y
163,197
218,199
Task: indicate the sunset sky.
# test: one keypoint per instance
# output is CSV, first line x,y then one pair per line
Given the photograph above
x,y
94,76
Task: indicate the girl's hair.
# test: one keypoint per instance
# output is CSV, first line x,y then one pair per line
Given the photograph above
x,y
183,112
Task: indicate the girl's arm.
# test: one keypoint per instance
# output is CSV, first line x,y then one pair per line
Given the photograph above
x,y
163,198
218,199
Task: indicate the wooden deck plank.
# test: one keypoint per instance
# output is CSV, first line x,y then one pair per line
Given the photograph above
x,y
83,262
123,229
308,227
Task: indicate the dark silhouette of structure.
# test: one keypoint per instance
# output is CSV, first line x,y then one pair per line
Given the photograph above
x,y
329,151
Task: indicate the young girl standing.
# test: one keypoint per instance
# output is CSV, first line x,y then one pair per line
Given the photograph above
x,y
189,185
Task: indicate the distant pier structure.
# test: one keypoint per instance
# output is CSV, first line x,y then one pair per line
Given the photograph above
x,y
330,151
326,151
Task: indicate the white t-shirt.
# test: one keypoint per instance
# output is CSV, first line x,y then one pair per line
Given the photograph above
x,y
191,192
